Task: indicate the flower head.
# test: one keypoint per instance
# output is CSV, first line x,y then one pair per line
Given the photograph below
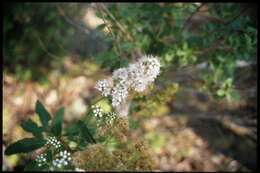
x,y
52,141
62,159
136,76
41,159
104,86
119,94
97,111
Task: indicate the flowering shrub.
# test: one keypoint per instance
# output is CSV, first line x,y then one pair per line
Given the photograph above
x,y
214,37
106,145
136,77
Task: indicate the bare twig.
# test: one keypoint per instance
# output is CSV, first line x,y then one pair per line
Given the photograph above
x,y
45,49
190,17
237,16
116,22
117,50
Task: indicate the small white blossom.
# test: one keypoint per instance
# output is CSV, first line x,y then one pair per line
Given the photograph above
x,y
53,142
136,76
62,159
121,76
97,111
111,117
104,86
152,67
41,159
119,94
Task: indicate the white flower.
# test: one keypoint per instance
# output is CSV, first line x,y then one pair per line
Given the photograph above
x,y
62,159
121,76
136,76
104,86
152,67
53,142
41,159
119,94
111,117
97,111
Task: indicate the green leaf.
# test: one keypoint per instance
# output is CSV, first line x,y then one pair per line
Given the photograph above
x,y
126,46
32,166
221,93
85,132
43,114
31,126
71,129
56,126
25,145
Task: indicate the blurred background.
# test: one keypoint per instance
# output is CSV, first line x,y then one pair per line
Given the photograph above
x,y
203,115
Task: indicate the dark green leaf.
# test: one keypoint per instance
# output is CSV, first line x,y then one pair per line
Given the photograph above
x,y
72,129
43,114
32,166
56,126
85,132
25,145
32,127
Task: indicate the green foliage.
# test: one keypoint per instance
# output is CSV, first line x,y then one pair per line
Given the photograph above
x,y
43,114
39,141
25,145
28,30
85,132
81,143
220,35
154,104
56,126
32,127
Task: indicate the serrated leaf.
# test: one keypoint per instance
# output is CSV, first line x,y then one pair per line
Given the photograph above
x,y
43,114
25,145
31,126
56,126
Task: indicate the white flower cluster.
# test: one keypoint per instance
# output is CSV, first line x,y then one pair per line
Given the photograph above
x,y
62,159
104,86
97,111
111,117
53,141
41,159
136,76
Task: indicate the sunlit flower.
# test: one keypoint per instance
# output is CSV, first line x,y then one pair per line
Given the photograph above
x,y
136,76
104,86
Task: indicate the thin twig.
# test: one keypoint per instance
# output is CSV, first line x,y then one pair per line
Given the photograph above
x,y
116,22
45,49
117,50
237,16
70,21
190,17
